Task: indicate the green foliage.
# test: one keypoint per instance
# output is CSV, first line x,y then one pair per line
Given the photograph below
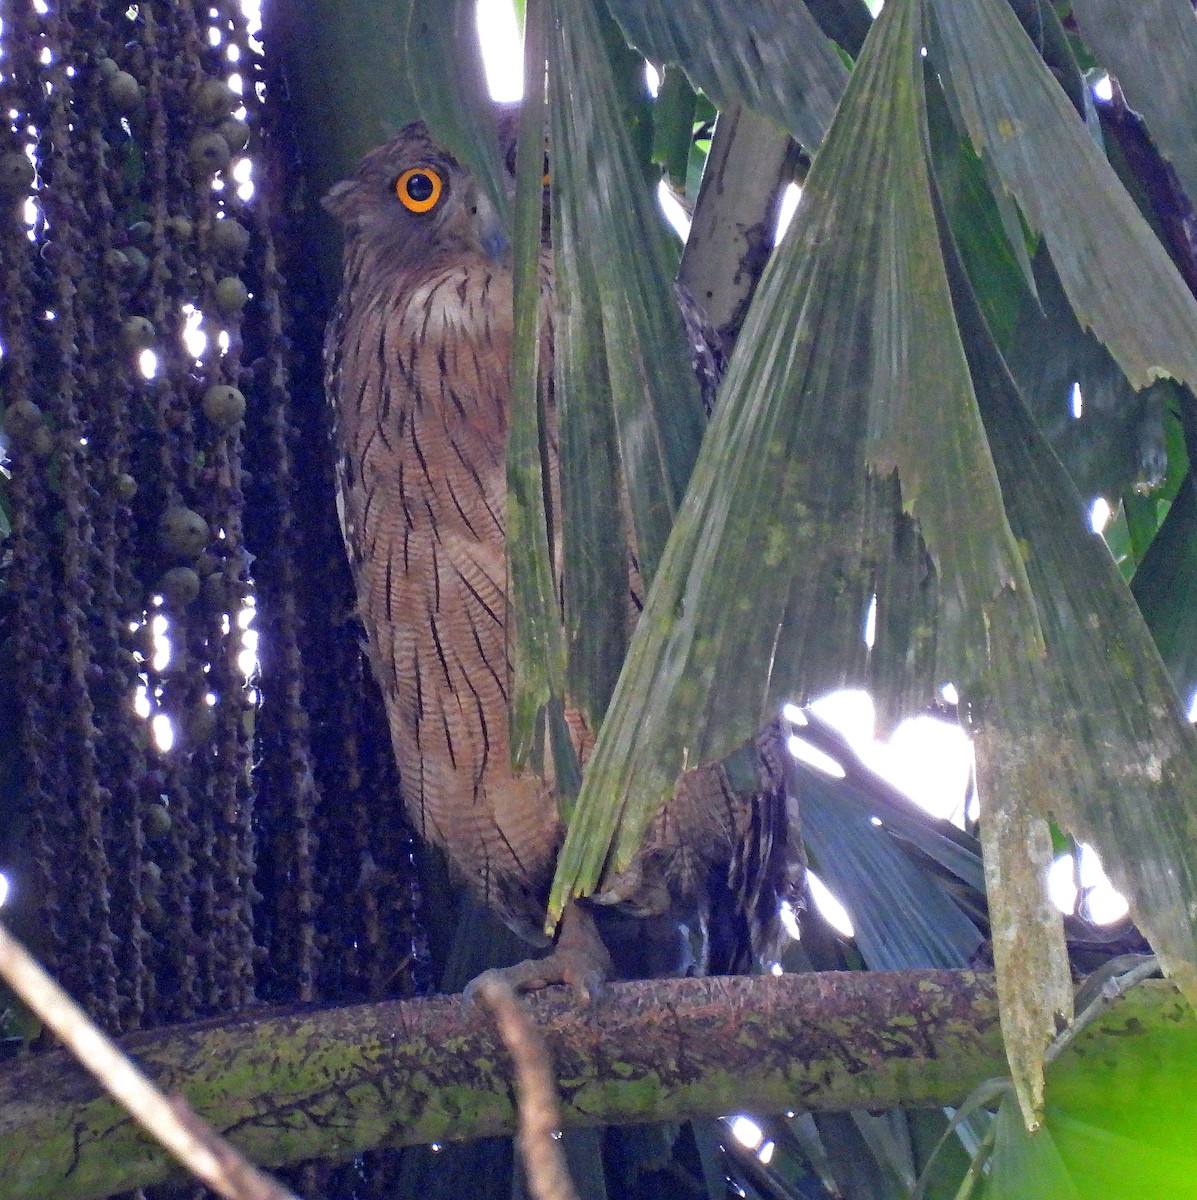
x,y
847,466
539,649
1018,118
770,56
673,126
629,411
1151,47
836,426
895,425
620,244
1166,581
1122,1121
1119,1119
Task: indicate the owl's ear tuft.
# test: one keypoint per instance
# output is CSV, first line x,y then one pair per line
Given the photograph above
x,y
337,201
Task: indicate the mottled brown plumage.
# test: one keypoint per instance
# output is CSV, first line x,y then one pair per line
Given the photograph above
x,y
418,371
418,359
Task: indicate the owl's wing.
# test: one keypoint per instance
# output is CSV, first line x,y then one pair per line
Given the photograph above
x,y
418,374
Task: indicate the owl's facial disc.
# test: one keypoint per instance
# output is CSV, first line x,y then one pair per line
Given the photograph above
x,y
409,195
461,206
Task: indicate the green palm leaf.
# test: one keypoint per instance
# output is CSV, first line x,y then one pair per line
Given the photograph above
x,y
1125,759
535,636
846,460
620,249
629,415
847,468
1165,588
1021,121
769,55
1150,46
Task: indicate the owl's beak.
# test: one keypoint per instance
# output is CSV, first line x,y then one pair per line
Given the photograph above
x,y
494,242
488,229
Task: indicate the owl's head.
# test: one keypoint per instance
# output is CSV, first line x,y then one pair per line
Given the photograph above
x,y
410,197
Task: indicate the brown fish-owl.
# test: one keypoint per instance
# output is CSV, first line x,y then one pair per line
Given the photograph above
x,y
418,362
418,373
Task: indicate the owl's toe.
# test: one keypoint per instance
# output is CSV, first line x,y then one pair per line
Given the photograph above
x,y
579,960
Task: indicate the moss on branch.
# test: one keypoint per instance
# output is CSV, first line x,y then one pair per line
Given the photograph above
x,y
330,1083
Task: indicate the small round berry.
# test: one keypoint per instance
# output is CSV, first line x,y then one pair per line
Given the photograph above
x,y
16,173
155,820
116,262
230,239
224,406
179,586
137,334
235,132
214,99
21,418
139,263
182,532
231,296
209,153
125,92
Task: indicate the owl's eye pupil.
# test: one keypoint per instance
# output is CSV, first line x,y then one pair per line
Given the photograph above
x,y
420,188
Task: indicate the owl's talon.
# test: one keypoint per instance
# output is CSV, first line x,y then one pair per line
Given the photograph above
x,y
472,992
590,989
579,960
569,966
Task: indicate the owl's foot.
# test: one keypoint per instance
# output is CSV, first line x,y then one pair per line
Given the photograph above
x,y
579,959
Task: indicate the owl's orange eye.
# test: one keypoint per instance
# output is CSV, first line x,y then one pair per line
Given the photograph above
x,y
419,189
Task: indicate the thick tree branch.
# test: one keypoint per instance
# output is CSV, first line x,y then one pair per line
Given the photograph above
x,y
331,1083
169,1120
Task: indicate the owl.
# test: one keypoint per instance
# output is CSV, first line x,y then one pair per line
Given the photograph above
x,y
418,373
418,364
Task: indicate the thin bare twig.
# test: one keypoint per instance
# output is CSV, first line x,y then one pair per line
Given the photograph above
x,y
538,1136
170,1120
